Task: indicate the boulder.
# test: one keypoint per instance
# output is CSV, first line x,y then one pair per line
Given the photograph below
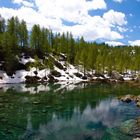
x,y
78,75
138,104
58,65
56,73
137,80
137,98
116,75
84,77
52,79
99,75
102,80
127,98
32,79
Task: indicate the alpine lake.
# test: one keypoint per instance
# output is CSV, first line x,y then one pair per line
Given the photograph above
x,y
84,111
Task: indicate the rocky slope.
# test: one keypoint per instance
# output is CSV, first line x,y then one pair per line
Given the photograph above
x,y
62,71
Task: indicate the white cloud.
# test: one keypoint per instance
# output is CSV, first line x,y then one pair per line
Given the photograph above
x,y
119,1
31,17
70,10
114,17
23,2
122,29
114,43
134,43
52,13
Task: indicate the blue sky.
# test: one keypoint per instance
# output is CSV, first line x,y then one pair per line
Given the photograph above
x,y
115,22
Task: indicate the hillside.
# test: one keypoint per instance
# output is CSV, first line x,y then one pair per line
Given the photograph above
x,y
34,70
40,55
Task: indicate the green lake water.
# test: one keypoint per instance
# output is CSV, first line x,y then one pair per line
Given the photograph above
x,y
65,112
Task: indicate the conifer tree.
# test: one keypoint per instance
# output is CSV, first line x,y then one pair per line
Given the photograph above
x,y
23,34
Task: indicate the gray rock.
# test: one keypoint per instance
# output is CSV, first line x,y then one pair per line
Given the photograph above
x,y
127,98
116,75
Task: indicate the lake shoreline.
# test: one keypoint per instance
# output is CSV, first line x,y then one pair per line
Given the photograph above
x,y
131,83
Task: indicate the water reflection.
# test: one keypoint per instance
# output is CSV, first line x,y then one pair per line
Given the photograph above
x,y
92,123
33,89
64,111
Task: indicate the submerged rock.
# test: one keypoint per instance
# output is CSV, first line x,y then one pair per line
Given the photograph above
x,y
115,134
127,126
131,127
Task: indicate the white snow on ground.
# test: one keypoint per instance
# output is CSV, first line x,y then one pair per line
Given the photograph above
x,y
127,78
19,76
66,76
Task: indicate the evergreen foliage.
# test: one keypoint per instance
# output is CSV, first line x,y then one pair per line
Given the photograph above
x,y
41,42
